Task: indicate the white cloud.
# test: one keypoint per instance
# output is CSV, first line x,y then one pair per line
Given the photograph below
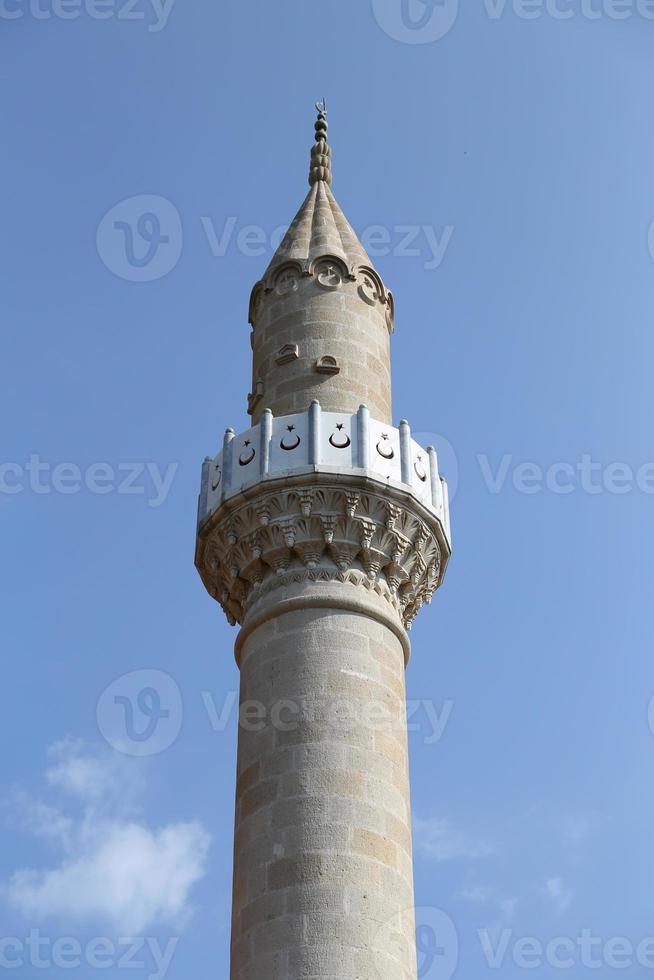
x,y
558,892
87,777
114,868
439,840
41,820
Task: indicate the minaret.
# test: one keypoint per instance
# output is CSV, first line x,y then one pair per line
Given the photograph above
x,y
322,530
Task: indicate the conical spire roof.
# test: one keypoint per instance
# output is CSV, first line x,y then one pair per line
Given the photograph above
x,y
320,227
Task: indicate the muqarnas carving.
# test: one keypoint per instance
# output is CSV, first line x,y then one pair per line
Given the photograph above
x,y
321,533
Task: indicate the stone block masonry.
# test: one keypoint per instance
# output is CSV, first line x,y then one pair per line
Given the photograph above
x,y
322,531
323,832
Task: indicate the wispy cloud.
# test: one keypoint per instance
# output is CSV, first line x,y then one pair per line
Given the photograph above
x,y
556,890
439,840
501,907
113,868
575,829
487,895
572,829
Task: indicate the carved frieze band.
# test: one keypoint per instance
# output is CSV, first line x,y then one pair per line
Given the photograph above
x,y
329,272
320,534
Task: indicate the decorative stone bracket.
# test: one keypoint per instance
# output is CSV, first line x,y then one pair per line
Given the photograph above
x,y
327,365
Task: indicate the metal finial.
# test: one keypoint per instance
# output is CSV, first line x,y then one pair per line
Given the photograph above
x,y
321,162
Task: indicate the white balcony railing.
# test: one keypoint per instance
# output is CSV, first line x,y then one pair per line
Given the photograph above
x,y
330,442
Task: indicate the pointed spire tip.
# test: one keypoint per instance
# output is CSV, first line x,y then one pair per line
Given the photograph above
x,y
321,153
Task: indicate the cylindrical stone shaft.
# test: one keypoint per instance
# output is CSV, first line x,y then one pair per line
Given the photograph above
x,y
323,882
322,324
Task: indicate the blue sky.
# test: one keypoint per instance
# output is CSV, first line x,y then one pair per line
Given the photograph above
x,y
508,149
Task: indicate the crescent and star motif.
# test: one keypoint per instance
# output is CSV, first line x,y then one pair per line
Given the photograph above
x,y
333,439
420,470
385,452
250,455
294,444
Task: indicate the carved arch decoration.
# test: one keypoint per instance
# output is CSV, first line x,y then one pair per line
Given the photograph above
x,y
286,278
330,272
372,291
288,267
371,288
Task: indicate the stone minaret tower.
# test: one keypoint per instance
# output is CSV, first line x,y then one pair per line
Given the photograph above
x,y
322,530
